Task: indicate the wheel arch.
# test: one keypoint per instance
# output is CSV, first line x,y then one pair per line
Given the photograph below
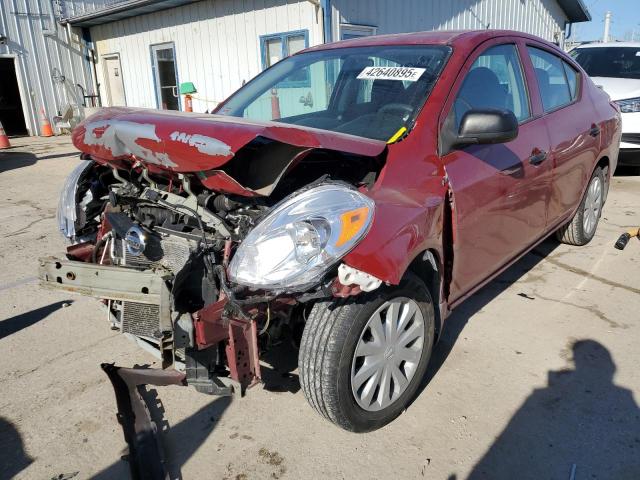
x,y
605,163
427,266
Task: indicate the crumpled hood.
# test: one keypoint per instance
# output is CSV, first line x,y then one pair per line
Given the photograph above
x,y
619,88
188,142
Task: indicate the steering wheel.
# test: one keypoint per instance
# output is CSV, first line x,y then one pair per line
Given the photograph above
x,y
397,107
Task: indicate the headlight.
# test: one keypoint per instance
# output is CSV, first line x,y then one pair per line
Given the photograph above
x,y
295,244
630,105
67,206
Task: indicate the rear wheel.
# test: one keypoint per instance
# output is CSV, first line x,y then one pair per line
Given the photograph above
x,y
582,227
362,359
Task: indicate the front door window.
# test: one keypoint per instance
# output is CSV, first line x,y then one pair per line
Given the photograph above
x,y
495,80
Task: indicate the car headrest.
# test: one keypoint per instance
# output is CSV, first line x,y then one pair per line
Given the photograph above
x,y
543,77
386,91
482,88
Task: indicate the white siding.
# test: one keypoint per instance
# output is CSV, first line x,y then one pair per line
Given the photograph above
x,y
217,44
37,56
544,18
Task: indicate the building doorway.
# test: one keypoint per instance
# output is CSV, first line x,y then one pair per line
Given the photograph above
x,y
115,84
11,113
165,74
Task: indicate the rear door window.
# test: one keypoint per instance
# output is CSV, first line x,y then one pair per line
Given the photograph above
x,y
495,80
555,89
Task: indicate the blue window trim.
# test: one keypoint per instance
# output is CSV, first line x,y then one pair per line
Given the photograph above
x,y
283,36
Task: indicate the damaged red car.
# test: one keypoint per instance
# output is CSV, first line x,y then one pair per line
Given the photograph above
x,y
348,198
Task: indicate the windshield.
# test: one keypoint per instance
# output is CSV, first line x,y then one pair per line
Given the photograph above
x,y
616,62
371,92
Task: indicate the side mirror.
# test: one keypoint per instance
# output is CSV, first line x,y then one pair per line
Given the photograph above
x,y
487,126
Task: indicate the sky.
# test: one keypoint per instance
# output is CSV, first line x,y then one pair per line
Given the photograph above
x,y
625,18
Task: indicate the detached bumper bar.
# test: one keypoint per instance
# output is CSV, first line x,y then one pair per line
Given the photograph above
x,y
150,287
107,282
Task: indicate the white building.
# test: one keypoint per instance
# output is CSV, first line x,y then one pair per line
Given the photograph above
x,y
137,52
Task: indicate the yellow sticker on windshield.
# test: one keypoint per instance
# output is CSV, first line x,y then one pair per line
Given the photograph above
x,y
397,135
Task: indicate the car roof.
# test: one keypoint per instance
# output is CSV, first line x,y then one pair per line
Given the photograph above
x,y
610,44
439,37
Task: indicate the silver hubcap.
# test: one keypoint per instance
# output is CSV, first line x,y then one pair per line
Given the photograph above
x,y
387,354
592,206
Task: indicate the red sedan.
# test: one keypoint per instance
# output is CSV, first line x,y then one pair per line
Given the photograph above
x,y
347,199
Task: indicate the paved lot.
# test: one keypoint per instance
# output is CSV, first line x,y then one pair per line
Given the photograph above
x,y
536,373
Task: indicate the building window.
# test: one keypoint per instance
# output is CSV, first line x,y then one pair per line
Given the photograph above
x,y
165,76
349,31
274,48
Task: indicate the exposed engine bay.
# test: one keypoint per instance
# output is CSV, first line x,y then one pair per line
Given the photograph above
x,y
205,278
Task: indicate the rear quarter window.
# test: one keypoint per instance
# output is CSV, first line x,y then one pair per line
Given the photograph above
x,y
572,79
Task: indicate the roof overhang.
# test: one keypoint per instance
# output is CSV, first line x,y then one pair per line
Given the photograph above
x,y
576,10
122,10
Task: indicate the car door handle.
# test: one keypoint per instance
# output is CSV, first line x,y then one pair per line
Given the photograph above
x,y
538,158
595,131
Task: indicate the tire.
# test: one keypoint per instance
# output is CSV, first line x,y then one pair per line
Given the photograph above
x,y
582,227
336,327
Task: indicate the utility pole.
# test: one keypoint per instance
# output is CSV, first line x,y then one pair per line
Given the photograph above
x,y
607,26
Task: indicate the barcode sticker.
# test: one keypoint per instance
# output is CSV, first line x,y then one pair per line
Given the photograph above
x,y
409,74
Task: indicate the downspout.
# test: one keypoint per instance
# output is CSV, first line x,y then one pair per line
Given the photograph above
x,y
92,54
568,30
326,20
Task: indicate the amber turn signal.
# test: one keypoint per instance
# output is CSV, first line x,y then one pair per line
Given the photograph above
x,y
352,222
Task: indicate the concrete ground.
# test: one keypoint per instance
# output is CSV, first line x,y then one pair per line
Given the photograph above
x,y
536,374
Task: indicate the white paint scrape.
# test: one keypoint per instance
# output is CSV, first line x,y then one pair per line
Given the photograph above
x,y
121,138
204,144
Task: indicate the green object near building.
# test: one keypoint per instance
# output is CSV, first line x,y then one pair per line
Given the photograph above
x,y
187,88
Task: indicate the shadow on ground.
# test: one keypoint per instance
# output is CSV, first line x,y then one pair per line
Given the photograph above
x,y
454,325
14,160
581,425
24,320
13,458
277,374
179,441
58,155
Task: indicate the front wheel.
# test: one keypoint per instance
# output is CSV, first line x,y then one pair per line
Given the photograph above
x,y
582,227
362,359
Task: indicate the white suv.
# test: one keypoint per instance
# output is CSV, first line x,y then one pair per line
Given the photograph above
x,y
616,68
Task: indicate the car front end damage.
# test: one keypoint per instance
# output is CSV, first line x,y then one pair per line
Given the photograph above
x,y
207,249
211,239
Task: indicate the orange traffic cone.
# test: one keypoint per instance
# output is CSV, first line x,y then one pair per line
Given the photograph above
x,y
4,140
45,125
